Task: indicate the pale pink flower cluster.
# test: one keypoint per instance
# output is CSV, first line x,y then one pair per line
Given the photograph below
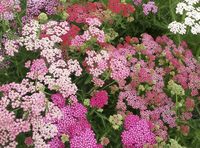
x,y
11,47
1,58
99,59
32,42
38,70
118,65
97,82
61,76
32,106
93,31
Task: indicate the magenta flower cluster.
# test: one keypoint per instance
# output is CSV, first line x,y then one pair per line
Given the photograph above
x,y
100,99
137,132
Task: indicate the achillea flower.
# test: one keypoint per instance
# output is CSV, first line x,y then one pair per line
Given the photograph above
x,y
38,69
185,130
147,7
58,99
97,82
104,141
100,99
28,141
85,139
137,2
138,132
56,143
116,121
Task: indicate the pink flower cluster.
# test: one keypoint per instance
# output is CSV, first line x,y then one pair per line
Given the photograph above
x,y
97,82
93,31
147,7
97,63
137,132
35,7
38,70
58,100
100,99
5,5
137,2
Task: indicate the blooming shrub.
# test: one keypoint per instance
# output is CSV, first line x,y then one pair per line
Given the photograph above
x,y
73,75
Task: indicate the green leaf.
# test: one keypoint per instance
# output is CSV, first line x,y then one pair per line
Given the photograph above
x,y
123,26
4,64
88,80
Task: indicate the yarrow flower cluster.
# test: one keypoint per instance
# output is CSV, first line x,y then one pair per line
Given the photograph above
x,y
97,63
191,19
57,104
116,6
7,6
100,99
147,7
137,2
35,7
93,31
116,121
137,132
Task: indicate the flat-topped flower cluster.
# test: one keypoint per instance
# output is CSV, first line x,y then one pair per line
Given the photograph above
x,y
84,92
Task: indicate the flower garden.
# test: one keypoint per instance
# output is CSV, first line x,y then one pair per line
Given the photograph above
x,y
99,74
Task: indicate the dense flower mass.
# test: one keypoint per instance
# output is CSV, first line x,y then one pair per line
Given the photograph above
x,y
138,132
100,99
131,90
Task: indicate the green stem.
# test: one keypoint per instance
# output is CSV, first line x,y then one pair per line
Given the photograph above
x,y
109,84
107,75
93,88
16,109
47,93
79,77
92,111
18,18
198,110
36,81
3,22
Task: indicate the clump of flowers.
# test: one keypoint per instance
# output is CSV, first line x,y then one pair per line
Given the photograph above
x,y
175,88
28,141
42,16
116,121
191,18
58,100
100,99
137,132
147,7
104,141
116,6
7,8
174,144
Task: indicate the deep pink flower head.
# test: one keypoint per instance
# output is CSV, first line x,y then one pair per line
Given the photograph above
x,y
100,99
85,139
138,132
56,143
28,141
130,121
58,100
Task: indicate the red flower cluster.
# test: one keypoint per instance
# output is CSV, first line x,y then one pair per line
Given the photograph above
x,y
116,6
78,13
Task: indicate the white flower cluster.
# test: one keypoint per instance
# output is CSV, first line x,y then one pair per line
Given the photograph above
x,y
192,18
